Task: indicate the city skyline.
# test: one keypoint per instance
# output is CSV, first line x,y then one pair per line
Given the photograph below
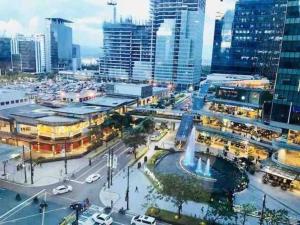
x,y
29,19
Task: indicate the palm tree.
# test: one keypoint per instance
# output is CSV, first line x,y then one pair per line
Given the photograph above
x,y
246,210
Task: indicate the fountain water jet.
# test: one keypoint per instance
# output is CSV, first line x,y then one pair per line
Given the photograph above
x,y
207,169
199,167
189,157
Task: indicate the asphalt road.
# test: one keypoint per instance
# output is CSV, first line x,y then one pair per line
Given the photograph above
x,y
81,191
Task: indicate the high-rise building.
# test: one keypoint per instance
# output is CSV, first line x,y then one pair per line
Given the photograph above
x,y
222,42
126,49
40,53
23,54
5,54
58,45
257,36
76,57
177,41
286,102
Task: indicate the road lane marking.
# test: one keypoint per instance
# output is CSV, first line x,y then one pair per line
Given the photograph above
x,y
78,182
33,215
117,151
21,204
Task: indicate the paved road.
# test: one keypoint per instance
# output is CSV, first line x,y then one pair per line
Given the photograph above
x,y
81,190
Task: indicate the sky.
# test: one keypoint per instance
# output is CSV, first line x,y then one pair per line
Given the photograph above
x,y
27,17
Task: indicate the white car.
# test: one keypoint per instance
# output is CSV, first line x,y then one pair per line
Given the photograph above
x,y
143,220
102,219
62,189
92,178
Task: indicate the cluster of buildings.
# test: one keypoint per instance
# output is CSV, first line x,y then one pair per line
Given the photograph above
x,y
166,50
43,53
51,130
253,118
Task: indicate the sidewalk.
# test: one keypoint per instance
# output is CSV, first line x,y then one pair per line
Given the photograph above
x,y
51,172
276,198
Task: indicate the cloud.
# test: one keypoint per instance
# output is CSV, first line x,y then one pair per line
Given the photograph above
x,y
11,27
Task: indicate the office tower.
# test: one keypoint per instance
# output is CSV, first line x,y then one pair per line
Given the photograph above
x,y
76,57
286,102
23,54
257,36
126,50
222,42
177,41
58,45
5,54
40,53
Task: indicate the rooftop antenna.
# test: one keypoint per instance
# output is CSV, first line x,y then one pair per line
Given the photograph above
x,y
113,3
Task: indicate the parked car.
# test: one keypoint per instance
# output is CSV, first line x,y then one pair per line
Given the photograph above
x,y
62,189
143,220
102,219
92,178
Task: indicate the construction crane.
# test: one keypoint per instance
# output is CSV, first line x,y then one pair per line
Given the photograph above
x,y
113,3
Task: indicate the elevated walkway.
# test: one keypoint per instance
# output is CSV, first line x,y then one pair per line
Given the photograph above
x,y
185,127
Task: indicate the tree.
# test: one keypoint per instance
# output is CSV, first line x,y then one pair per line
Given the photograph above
x,y
96,134
134,141
148,125
179,190
246,210
218,210
276,217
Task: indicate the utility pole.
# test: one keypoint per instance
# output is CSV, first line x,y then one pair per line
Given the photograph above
x,y
111,166
31,166
24,166
261,219
108,169
127,191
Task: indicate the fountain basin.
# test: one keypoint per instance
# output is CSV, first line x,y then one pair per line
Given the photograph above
x,y
224,175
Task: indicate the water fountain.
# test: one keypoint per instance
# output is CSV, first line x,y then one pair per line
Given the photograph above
x,y
189,157
199,169
207,168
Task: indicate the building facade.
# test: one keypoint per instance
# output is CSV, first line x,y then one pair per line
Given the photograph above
x,y
76,57
23,54
40,53
5,54
126,51
177,41
286,102
257,37
222,42
58,45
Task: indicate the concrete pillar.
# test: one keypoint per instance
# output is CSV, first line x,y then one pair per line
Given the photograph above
x,y
53,149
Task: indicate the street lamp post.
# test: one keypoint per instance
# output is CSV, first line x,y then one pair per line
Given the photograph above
x,y
127,191
31,164
261,219
108,169
24,165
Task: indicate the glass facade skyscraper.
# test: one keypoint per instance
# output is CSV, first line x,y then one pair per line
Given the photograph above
x,y
286,103
177,41
222,42
23,50
257,31
5,54
58,45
